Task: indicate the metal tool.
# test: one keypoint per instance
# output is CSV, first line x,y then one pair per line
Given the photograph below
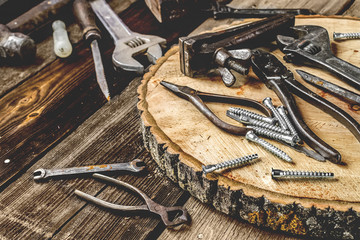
x,y
278,78
198,98
220,11
127,43
16,47
229,164
296,174
198,53
91,33
352,97
346,36
135,165
311,45
150,205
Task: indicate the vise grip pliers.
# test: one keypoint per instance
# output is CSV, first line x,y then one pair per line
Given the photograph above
x,y
150,205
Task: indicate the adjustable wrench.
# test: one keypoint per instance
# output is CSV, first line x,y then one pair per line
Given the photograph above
x,y
311,45
127,43
135,165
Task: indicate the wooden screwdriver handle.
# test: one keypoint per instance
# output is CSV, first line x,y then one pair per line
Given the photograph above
x,y
86,18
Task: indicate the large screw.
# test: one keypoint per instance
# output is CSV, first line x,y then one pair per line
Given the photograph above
x,y
345,36
268,103
282,112
250,135
250,121
277,173
229,164
290,139
252,115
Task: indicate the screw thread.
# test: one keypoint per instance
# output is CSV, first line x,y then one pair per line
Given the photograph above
x,y
277,173
268,103
236,66
268,146
340,36
274,135
230,164
252,115
291,127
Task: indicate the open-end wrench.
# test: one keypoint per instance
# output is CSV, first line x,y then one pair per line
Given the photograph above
x,y
311,45
135,165
127,42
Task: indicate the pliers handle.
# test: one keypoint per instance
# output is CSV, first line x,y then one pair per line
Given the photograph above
x,y
150,205
198,98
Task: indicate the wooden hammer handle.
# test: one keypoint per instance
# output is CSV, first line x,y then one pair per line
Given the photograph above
x,y
86,19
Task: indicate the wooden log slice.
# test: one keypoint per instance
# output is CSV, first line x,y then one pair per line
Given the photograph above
x,y
181,140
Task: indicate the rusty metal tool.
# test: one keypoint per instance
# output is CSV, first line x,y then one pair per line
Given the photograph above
x,y
91,33
135,165
279,79
149,205
221,11
310,45
198,98
127,42
348,95
198,53
15,47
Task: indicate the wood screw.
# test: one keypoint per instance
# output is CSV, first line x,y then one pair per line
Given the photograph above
x,y
345,36
277,173
282,112
229,164
268,103
252,115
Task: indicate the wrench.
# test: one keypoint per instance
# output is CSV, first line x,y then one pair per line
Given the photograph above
x,y
311,45
127,42
135,165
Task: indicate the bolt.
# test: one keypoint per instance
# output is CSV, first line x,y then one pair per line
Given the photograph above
x,y
345,36
250,135
250,121
277,173
229,164
282,112
253,115
268,103
225,59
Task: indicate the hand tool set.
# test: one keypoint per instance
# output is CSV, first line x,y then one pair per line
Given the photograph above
x,y
234,49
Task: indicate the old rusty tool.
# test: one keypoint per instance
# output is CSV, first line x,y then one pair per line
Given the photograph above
x,y
198,98
135,165
220,11
310,45
91,33
279,79
150,205
127,42
198,54
15,47
348,95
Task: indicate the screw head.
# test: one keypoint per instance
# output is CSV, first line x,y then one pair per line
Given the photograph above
x,y
250,135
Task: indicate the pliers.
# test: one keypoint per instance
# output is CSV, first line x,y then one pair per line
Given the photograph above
x,y
150,205
197,98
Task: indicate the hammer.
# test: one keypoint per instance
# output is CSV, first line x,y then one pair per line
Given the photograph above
x,y
15,47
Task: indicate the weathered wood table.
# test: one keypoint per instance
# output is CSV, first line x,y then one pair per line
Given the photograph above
x,y
53,115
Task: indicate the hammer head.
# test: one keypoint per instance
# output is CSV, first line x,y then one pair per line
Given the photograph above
x,y
127,48
15,48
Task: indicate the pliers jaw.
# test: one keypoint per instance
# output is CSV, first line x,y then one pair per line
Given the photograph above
x,y
181,91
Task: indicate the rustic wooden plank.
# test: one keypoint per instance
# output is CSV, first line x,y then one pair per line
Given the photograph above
x,y
40,210
208,223
354,9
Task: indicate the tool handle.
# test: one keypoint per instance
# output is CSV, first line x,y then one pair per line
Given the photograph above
x,y
86,18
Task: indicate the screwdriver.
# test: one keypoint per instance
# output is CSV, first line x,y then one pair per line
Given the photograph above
x,y
91,33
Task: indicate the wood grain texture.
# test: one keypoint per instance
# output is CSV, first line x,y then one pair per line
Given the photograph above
x,y
49,209
354,9
208,223
202,143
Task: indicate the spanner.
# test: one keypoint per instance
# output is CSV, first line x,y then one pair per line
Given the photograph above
x,y
311,45
127,42
135,165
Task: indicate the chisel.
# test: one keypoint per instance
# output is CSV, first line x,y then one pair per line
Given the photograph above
x,y
91,33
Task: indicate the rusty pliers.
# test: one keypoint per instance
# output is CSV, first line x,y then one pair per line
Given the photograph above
x,y
150,205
